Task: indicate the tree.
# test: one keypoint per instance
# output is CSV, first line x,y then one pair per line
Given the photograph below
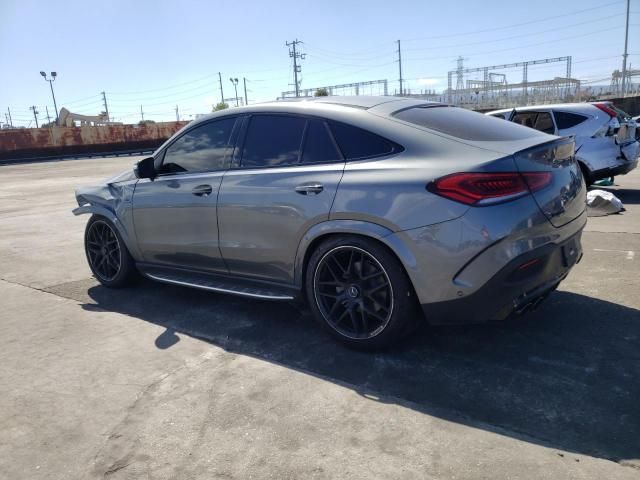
x,y
220,106
321,92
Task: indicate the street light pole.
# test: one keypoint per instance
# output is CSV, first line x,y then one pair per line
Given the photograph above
x,y
53,79
235,86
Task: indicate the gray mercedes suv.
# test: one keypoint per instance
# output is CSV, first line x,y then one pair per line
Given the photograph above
x,y
378,211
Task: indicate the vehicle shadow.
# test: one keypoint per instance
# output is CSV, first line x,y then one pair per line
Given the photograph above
x,y
566,376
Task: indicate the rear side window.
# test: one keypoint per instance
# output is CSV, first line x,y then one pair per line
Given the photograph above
x,y
463,124
541,121
318,144
357,143
200,149
272,140
544,123
568,120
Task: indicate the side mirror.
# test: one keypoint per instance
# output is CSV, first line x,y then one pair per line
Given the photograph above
x,y
145,168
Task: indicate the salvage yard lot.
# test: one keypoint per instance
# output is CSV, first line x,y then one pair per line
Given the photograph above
x,y
158,381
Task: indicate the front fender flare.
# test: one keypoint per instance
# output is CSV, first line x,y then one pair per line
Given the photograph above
x,y
109,215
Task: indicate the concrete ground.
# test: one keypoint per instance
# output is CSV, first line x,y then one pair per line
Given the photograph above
x,y
165,382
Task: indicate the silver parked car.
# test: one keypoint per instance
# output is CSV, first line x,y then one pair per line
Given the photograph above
x,y
605,136
370,208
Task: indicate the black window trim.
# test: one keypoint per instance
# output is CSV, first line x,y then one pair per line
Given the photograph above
x,y
159,157
237,158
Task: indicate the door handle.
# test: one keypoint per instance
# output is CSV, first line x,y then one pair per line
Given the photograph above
x,y
202,190
309,188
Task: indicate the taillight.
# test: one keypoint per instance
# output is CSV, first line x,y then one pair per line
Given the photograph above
x,y
606,109
488,188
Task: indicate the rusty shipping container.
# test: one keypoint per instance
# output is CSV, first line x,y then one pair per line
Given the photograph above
x,y
31,143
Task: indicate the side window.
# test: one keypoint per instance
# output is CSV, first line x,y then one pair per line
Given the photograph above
x,y
541,121
499,115
318,144
357,143
200,149
528,119
272,140
568,120
544,123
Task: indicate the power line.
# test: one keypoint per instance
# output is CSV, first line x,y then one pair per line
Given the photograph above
x,y
514,25
520,46
520,35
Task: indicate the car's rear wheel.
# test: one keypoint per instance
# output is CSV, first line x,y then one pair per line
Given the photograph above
x,y
586,174
359,292
107,254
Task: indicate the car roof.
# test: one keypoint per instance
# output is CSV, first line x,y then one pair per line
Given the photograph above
x,y
554,106
380,105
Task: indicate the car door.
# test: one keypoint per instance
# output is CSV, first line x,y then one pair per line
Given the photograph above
x,y
287,173
174,214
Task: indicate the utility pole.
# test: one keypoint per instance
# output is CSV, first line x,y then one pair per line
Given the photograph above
x,y
35,114
51,80
400,66
625,54
106,109
234,81
141,113
221,92
296,68
10,119
246,100
48,117
177,114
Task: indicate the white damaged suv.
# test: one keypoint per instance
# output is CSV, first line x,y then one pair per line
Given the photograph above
x,y
605,136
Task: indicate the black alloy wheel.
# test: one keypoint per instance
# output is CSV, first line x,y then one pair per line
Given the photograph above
x,y
353,292
103,250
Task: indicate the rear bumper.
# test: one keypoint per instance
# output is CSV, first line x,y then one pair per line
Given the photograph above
x,y
517,287
621,169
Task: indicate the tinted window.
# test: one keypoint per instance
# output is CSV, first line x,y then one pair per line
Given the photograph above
x,y
463,124
544,123
527,119
272,140
318,145
568,120
357,143
200,149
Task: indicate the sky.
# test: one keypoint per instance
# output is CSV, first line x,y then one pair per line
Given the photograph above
x,y
159,54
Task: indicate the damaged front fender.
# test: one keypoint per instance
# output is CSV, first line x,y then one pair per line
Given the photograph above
x,y
113,202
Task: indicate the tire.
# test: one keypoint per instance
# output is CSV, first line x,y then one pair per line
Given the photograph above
x,y
586,174
345,288
107,254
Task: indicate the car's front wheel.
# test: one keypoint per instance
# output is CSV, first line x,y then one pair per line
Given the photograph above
x,y
107,254
359,292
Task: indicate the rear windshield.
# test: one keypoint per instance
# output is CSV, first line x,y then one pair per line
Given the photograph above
x,y
465,124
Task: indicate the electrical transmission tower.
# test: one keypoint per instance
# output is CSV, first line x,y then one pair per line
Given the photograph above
x,y
460,74
293,53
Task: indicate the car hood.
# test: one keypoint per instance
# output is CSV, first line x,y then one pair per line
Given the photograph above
x,y
125,176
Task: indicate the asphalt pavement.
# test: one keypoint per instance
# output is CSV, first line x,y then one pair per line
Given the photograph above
x,y
158,381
